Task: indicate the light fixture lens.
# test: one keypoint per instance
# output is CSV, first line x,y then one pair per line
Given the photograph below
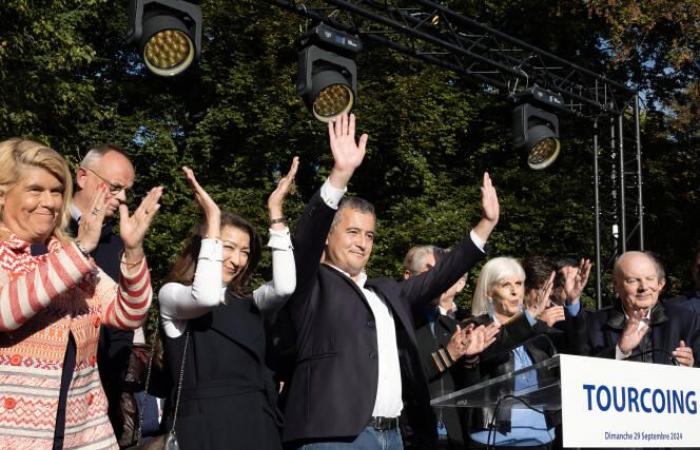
x,y
332,101
543,153
168,52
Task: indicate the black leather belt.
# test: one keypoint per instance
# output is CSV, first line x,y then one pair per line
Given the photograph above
x,y
383,423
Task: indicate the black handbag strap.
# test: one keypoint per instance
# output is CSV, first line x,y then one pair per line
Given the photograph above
x,y
148,377
182,376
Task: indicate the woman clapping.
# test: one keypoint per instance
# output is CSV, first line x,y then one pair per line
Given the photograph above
x,y
53,299
210,316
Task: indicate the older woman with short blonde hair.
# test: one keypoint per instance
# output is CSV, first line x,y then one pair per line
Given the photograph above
x,y
52,304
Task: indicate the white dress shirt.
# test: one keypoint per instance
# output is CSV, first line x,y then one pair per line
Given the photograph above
x,y
388,401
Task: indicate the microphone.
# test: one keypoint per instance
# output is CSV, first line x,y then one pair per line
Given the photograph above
x,y
637,354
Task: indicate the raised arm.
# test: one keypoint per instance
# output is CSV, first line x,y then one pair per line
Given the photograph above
x,y
315,222
273,294
181,302
427,286
490,209
129,308
23,296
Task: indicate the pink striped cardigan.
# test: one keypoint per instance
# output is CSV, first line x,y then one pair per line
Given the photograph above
x,y
43,299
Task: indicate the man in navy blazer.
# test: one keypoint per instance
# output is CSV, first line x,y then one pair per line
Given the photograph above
x,y
357,366
638,326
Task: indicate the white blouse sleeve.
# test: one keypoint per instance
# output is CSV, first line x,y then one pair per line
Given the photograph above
x,y
271,296
179,303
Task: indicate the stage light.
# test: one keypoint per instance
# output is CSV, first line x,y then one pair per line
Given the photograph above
x,y
537,132
168,34
327,79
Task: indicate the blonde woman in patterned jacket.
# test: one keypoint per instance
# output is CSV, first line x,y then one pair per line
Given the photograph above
x,y
52,305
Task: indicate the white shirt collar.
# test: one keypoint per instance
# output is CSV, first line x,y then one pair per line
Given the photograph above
x,y
445,312
75,212
361,278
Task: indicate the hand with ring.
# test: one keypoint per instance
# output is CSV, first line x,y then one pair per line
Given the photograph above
x,y
90,227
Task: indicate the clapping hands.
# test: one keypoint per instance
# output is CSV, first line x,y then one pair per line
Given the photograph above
x,y
275,203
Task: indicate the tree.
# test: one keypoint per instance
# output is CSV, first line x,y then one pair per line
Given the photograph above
x,y
67,78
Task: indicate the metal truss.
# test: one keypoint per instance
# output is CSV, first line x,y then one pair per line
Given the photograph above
x,y
617,167
507,66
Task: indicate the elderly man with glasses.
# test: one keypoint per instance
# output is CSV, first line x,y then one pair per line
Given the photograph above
x,y
110,166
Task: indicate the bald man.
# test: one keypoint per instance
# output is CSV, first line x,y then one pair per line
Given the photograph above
x,y
110,166
638,327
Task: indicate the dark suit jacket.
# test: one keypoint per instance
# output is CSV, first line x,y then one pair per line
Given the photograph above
x,y
458,376
690,301
334,384
669,325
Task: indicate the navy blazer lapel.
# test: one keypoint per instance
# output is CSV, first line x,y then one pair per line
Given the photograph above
x,y
350,282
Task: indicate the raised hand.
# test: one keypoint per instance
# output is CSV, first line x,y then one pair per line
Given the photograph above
x,y
575,280
634,331
347,153
552,315
211,210
542,300
275,203
90,227
684,355
490,209
132,228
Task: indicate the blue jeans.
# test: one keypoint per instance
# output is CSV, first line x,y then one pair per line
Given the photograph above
x,y
149,408
369,439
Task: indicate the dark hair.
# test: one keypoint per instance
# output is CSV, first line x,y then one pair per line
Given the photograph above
x,y
537,271
186,264
357,203
566,262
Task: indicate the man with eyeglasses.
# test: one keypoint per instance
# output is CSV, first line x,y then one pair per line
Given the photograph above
x,y
110,166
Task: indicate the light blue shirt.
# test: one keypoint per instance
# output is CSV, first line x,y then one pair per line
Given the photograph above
x,y
528,427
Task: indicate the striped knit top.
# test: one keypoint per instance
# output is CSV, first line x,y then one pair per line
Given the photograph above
x,y
43,300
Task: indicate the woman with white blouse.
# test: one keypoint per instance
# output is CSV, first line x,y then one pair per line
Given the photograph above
x,y
210,316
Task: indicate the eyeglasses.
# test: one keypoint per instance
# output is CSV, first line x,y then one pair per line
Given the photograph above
x,y
114,189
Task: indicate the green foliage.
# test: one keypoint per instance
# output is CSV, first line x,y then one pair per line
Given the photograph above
x,y
68,79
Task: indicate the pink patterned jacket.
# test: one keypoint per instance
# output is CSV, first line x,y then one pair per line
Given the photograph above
x,y
44,299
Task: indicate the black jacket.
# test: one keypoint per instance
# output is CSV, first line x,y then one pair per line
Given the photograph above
x,y
441,380
541,342
669,325
333,387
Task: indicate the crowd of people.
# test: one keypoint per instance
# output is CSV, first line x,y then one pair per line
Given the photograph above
x,y
319,357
